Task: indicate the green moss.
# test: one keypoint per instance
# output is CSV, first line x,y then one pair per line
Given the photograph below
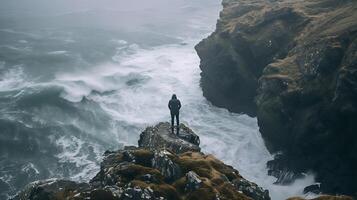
x,y
134,171
143,157
180,184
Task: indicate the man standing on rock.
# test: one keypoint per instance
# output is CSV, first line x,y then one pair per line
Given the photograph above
x,y
174,106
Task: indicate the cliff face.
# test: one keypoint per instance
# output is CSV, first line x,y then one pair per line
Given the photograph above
x,y
294,65
164,166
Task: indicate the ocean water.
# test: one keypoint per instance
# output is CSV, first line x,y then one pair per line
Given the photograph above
x,y
71,89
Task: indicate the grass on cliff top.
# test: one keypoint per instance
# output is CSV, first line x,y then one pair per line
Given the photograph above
x,y
213,173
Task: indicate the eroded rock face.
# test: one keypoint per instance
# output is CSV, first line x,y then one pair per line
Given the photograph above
x,y
294,64
149,173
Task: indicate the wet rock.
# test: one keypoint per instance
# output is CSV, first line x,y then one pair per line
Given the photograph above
x,y
149,173
136,193
193,182
50,189
278,168
251,189
166,166
293,64
160,136
315,188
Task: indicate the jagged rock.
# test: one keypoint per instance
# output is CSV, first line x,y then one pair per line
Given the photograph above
x,y
137,173
50,189
293,64
193,182
136,193
170,170
251,189
283,174
188,135
315,188
160,136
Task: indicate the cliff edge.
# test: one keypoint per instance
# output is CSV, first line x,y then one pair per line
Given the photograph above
x,y
293,64
164,166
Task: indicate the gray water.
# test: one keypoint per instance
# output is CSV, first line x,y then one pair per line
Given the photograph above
x,y
79,78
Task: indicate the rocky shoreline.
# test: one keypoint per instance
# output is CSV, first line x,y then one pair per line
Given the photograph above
x,y
293,65
163,166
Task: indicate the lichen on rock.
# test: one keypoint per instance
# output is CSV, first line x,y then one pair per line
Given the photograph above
x,y
175,169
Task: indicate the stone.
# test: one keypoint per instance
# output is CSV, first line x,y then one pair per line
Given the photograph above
x,y
160,136
49,189
193,181
149,173
251,190
170,170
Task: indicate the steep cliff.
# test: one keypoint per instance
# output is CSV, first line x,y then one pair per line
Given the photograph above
x,y
294,65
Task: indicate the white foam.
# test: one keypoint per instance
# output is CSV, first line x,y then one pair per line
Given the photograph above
x,y
13,78
234,138
30,167
134,88
57,52
73,153
23,41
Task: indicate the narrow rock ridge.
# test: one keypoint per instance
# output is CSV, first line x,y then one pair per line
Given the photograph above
x,y
164,166
293,64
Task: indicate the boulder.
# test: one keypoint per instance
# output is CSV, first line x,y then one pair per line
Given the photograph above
x,y
160,136
193,182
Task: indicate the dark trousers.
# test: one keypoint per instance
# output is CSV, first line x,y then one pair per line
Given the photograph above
x,y
173,115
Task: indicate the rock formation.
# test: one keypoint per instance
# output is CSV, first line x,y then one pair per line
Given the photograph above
x,y
164,166
294,65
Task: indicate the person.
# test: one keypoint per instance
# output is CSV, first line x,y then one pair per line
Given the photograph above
x,y
174,106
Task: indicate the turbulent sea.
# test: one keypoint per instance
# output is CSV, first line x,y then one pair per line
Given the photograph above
x,y
77,82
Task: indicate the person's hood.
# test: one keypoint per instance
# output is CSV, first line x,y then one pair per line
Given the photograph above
x,y
174,96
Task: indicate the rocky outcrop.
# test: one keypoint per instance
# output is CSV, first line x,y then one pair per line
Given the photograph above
x,y
174,170
156,137
294,65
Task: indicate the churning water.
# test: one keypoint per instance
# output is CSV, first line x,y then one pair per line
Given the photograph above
x,y
68,94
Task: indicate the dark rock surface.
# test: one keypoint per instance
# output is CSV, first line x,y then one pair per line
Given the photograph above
x,y
160,136
314,188
149,173
294,65
284,175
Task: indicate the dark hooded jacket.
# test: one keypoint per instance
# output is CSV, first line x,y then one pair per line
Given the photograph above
x,y
174,105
